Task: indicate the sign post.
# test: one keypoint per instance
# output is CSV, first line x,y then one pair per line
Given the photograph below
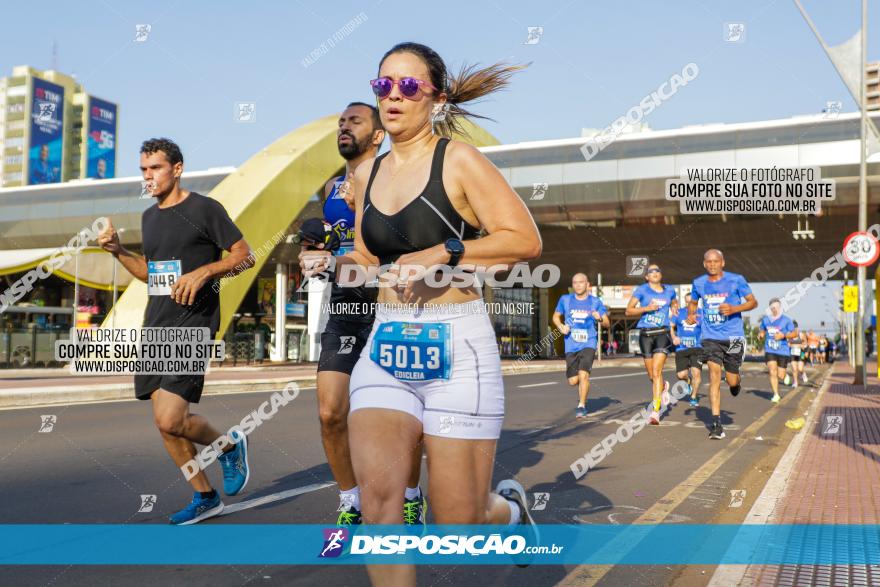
x,y
860,249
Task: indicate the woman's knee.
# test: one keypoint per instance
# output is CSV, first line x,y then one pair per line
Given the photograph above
x,y
460,515
458,507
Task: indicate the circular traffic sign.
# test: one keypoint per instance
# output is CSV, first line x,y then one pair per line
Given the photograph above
x,y
861,249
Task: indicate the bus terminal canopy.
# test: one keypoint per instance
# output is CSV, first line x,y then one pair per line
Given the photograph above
x,y
94,268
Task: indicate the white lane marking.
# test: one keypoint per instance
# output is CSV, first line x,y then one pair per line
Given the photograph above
x,y
252,503
591,379
612,517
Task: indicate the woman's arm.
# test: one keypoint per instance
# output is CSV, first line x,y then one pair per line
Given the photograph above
x,y
512,233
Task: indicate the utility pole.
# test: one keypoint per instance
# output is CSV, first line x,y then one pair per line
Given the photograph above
x,y
860,375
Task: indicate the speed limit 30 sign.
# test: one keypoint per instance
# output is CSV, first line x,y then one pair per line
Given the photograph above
x,y
861,249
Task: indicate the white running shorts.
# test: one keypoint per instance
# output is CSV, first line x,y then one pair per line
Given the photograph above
x,y
468,405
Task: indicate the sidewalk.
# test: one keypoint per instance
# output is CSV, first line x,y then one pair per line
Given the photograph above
x,y
834,478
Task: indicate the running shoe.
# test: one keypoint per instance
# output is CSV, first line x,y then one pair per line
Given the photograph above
x,y
654,420
775,398
695,401
511,490
580,412
200,508
734,390
415,510
235,465
717,431
787,380
349,516
804,377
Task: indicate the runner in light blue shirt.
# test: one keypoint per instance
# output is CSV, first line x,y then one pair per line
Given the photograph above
x,y
652,302
688,350
776,330
721,327
577,316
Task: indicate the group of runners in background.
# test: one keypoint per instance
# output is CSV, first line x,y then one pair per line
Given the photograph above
x,y
706,329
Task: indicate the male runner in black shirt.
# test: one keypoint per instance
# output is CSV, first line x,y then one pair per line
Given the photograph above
x,y
184,235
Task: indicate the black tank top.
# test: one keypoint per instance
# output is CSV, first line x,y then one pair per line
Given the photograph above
x,y
428,220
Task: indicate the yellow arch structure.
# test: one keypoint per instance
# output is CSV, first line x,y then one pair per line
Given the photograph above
x,y
263,197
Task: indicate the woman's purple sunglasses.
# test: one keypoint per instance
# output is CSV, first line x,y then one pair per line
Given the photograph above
x,y
409,86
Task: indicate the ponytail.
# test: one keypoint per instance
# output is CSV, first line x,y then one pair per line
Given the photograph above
x,y
469,85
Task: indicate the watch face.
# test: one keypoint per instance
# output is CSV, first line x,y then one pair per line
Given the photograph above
x,y
455,246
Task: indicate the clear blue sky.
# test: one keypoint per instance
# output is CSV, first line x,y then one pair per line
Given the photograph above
x,y
594,61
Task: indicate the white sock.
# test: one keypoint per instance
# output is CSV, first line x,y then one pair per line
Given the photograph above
x,y
351,497
412,492
515,512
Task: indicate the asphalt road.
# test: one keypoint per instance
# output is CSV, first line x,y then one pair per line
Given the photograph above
x,y
100,458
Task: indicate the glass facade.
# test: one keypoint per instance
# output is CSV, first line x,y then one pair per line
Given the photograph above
x,y
516,328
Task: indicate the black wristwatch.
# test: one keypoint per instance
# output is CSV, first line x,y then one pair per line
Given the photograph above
x,y
455,248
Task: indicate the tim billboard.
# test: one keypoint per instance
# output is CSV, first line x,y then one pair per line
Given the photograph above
x,y
47,129
101,153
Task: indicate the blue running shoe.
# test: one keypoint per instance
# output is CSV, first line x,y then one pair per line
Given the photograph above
x,y
580,412
695,401
235,466
200,508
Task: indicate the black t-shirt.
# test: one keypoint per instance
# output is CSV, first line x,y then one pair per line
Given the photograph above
x,y
194,233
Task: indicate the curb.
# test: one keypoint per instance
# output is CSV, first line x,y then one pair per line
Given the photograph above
x,y
65,394
774,490
31,397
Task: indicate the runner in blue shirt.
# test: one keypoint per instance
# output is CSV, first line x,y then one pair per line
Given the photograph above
x,y
796,345
776,330
721,327
652,301
577,315
688,350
